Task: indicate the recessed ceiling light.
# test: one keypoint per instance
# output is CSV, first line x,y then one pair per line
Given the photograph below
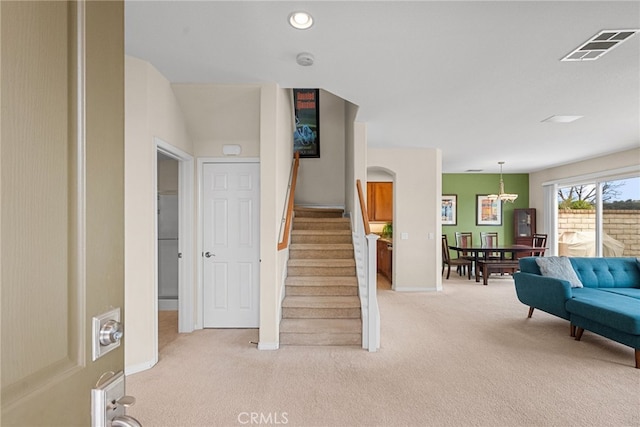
x,y
603,42
562,119
300,20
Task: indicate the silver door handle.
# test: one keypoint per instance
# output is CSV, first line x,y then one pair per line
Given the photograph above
x,y
209,254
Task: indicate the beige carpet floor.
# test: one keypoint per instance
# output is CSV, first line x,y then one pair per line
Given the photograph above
x,y
467,356
167,328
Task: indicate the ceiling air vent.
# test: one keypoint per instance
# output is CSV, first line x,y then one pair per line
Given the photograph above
x,y
599,44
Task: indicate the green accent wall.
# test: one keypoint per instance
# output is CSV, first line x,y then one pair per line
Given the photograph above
x,y
467,186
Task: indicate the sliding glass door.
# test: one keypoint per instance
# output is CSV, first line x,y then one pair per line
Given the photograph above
x,y
621,217
599,218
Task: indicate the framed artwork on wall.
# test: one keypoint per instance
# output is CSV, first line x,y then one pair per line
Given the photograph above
x,y
449,209
488,211
306,137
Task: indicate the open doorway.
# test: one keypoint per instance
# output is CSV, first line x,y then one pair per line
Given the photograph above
x,y
168,248
174,290
380,208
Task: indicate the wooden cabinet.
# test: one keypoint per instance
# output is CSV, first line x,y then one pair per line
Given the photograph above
x,y
385,259
380,201
524,226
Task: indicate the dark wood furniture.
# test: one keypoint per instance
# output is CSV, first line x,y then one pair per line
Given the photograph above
x,y
464,239
524,226
448,261
380,201
384,250
486,265
539,241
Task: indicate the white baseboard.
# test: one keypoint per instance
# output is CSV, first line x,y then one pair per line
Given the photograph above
x,y
268,345
130,370
167,304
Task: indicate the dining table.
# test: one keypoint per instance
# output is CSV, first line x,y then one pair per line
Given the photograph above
x,y
501,260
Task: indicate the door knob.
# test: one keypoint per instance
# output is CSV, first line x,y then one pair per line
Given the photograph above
x,y
125,421
209,254
110,332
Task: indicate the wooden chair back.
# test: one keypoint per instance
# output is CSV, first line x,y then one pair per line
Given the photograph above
x,y
464,239
489,239
446,257
539,241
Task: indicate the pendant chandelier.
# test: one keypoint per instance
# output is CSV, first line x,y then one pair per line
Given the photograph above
x,y
502,196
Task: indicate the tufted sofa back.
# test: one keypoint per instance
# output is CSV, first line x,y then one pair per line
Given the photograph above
x,y
617,272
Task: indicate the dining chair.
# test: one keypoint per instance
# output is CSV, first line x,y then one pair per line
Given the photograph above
x,y
489,239
539,241
448,261
464,239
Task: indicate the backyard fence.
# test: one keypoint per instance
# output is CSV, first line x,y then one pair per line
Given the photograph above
x,y
621,225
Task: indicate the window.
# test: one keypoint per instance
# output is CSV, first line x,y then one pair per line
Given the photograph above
x,y
598,217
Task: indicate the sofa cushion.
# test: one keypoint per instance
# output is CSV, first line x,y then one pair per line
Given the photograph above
x,y
585,292
559,268
620,272
616,311
629,292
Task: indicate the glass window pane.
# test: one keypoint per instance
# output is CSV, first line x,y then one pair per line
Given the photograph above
x,y
577,220
621,217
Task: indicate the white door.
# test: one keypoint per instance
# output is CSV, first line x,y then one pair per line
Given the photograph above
x,y
231,252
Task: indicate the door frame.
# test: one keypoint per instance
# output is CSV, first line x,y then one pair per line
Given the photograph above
x,y
200,266
186,301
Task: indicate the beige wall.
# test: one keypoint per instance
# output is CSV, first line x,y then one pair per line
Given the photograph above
x,y
418,183
216,115
151,110
354,143
276,137
321,181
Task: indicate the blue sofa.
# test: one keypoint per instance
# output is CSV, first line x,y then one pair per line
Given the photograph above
x,y
608,304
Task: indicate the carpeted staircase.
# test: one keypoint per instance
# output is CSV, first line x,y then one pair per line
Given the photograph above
x,y
321,306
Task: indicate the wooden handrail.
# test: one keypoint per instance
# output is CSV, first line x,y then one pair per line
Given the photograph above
x,y
363,209
287,224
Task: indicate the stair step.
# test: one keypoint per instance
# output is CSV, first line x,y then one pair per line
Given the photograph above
x,y
310,326
320,250
318,212
321,285
321,307
321,236
321,302
321,338
321,267
308,223
321,332
320,281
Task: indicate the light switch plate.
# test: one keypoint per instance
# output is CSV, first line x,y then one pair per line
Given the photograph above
x,y
98,322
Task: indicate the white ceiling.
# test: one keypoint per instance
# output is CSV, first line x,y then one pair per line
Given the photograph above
x,y
472,78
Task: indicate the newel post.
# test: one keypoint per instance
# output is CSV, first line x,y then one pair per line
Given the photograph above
x,y
373,317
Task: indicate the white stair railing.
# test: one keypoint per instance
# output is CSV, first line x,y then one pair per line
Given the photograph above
x,y
364,246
